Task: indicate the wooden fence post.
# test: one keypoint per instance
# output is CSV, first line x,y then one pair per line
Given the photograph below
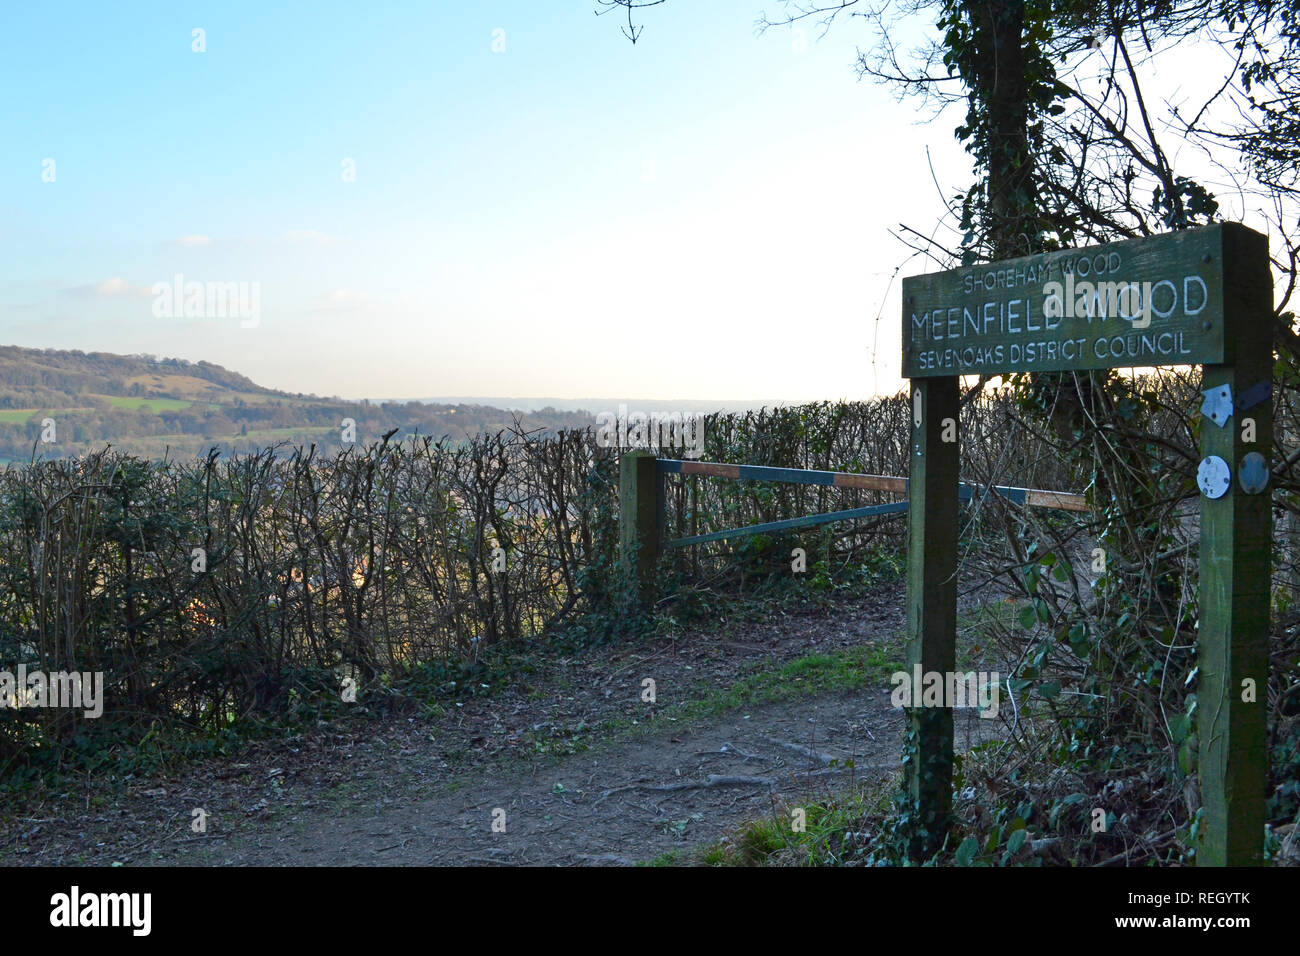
x,y
931,602
1236,570
640,523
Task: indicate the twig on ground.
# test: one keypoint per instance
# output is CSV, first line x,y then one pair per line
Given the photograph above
x,y
799,749
712,780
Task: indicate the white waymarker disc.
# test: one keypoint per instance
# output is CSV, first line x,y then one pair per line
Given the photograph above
x,y
1213,477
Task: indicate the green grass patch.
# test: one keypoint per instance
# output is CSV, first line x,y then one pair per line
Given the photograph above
x,y
825,832
850,668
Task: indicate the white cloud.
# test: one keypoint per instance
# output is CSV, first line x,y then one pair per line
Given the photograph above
x,y
195,240
342,300
308,236
114,288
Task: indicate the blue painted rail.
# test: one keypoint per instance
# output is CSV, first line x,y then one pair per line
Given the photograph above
x,y
1032,497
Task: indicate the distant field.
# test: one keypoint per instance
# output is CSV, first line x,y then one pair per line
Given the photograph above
x,y
155,404
17,416
129,393
171,404
176,384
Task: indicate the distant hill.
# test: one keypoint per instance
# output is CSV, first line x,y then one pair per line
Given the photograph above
x,y
153,406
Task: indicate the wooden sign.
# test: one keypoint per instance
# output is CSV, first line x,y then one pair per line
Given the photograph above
x,y
1204,297
1142,302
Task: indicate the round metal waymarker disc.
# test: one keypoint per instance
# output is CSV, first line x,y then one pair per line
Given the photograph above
x,y
1213,477
1253,473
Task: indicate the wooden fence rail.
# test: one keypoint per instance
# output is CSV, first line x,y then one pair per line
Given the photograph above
x,y
641,497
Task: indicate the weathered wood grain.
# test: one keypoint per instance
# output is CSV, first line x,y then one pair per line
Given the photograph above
x,y
1235,578
931,604
994,318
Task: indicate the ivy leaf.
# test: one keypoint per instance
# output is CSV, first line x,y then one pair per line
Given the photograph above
x,y
1031,580
1050,690
1017,840
994,838
966,852
1179,727
1187,754
1079,645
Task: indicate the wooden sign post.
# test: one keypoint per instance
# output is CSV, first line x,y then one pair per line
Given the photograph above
x,y
1196,297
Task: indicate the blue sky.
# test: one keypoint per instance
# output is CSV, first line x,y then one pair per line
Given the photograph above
x,y
703,214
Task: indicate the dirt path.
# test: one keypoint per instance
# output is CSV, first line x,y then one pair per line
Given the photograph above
x,y
570,763
617,804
